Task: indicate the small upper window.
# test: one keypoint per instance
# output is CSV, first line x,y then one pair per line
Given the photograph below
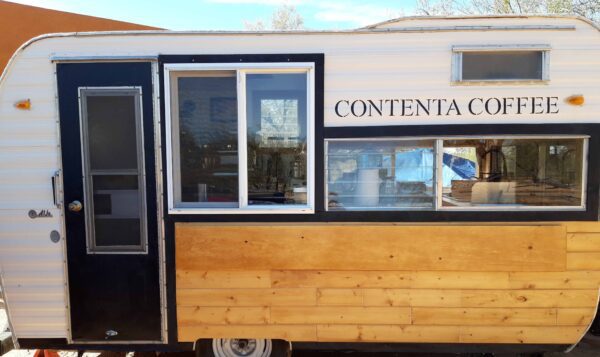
x,y
500,64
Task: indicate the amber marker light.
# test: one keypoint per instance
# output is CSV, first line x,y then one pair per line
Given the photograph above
x,y
23,104
575,99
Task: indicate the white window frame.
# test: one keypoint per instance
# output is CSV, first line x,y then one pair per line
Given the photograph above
x,y
242,69
438,146
457,64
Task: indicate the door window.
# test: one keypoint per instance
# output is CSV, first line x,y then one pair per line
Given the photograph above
x,y
113,170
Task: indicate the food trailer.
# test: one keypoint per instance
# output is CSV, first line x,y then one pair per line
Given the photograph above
x,y
420,184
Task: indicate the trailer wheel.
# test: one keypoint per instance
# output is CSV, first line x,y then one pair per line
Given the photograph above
x,y
246,347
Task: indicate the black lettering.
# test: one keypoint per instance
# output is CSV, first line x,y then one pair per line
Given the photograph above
x,y
353,108
535,105
506,104
391,101
406,106
471,106
337,108
521,105
487,106
374,106
423,107
552,102
439,106
453,107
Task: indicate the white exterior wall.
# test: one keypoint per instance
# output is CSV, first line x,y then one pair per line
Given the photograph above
x,y
357,66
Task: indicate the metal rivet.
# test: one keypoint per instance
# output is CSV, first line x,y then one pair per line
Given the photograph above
x,y
55,236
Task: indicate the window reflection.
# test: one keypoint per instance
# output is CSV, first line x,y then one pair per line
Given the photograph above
x,y
370,175
276,119
522,172
207,109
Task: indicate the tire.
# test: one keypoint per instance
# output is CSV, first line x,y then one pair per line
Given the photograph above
x,y
225,347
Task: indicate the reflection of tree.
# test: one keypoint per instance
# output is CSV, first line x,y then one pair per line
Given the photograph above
x,y
203,164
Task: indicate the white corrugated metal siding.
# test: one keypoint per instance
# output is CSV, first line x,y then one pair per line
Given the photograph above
x,y
357,66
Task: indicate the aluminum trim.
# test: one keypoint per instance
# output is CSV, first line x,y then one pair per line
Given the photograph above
x,y
438,205
88,173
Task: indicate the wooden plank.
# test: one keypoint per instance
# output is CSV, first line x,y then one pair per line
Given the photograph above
x,y
388,333
246,297
340,279
483,316
459,280
519,334
374,247
583,242
206,279
340,297
283,332
555,280
529,298
575,317
389,279
583,261
590,227
412,297
201,315
340,315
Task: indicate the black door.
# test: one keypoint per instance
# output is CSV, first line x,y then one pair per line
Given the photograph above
x,y
107,138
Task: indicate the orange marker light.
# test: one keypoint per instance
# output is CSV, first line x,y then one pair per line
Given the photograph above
x,y
575,99
23,104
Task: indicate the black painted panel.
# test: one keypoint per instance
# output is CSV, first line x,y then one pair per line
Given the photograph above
x,y
120,292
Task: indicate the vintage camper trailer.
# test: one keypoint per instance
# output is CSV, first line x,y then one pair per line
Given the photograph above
x,y
423,183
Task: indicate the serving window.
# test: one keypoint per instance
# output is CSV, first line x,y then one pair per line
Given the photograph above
x,y
472,173
241,137
380,174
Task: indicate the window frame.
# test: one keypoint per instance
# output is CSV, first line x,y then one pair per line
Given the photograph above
x,y
87,174
457,64
241,69
437,174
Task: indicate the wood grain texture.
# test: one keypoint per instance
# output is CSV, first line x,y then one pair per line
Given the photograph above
x,y
575,317
583,261
480,298
412,297
483,316
340,297
555,280
283,332
203,315
530,298
206,279
573,227
374,247
458,283
583,242
390,279
246,297
388,333
340,315
521,334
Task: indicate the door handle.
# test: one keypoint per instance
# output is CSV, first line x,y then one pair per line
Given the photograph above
x,y
75,206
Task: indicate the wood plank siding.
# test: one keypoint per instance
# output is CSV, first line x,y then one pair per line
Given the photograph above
x,y
460,283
